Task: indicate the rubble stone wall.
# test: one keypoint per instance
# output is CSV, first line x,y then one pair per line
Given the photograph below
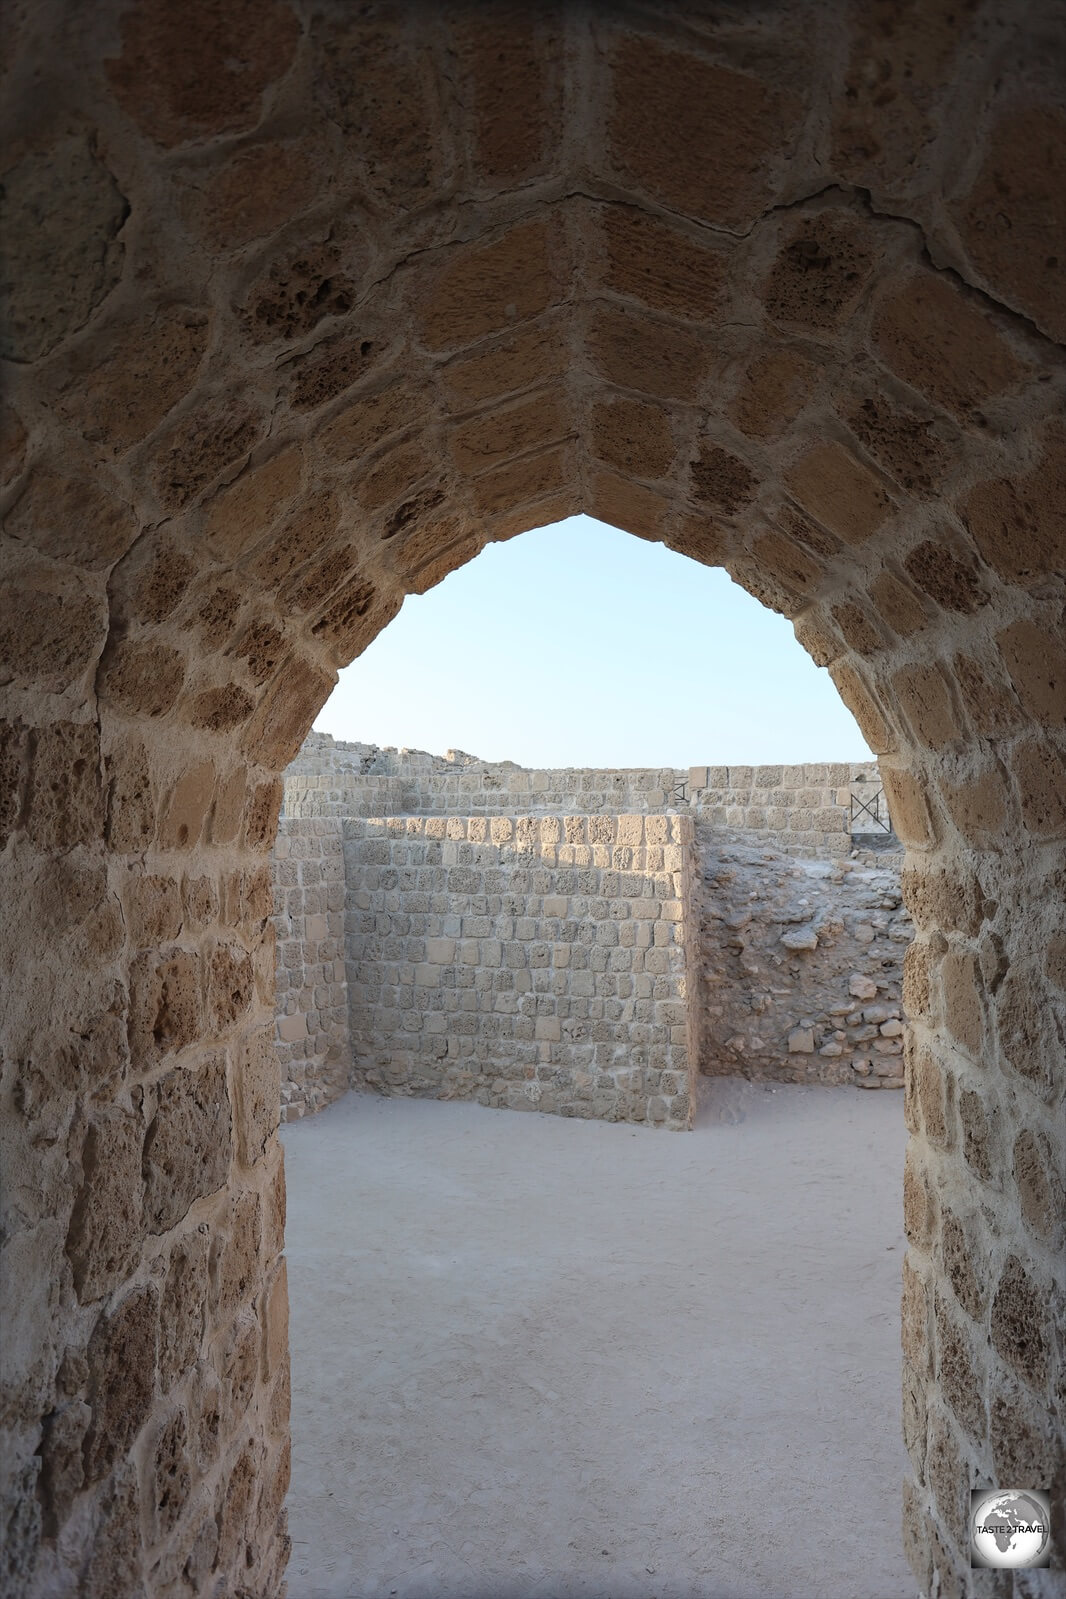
x,y
801,973
312,995
536,962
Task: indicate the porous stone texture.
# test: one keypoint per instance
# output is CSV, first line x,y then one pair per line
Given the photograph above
x,y
537,962
312,1038
442,315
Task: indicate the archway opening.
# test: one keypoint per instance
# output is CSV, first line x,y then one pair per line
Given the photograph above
x,y
485,1294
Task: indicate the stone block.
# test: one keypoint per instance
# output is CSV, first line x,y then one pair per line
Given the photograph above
x,y
943,343
107,1225
122,1356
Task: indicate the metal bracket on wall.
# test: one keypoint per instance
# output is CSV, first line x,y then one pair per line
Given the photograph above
x,y
873,806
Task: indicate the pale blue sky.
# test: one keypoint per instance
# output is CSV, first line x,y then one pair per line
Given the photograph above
x,y
578,645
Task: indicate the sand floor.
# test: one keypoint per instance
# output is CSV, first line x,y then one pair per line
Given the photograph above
x,y
536,1358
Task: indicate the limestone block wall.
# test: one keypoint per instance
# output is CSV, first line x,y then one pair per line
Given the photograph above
x,y
803,810
482,789
311,1023
534,962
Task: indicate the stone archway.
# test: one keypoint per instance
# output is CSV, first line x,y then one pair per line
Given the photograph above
x,y
307,308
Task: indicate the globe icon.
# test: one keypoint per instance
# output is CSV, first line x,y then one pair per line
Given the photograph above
x,y
1010,1529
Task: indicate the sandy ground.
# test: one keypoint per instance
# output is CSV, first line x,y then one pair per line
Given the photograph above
x,y
536,1358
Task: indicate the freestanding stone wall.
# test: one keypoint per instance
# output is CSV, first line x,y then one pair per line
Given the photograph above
x,y
312,992
537,962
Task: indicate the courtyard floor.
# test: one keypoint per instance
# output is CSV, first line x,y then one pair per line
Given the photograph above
x,y
536,1358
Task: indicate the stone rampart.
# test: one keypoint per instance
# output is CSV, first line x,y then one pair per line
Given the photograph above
x,y
804,810
535,962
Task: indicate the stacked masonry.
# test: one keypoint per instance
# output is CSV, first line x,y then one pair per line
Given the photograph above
x,y
312,998
535,962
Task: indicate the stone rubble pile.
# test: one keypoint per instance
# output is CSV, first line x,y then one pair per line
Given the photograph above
x,y
801,966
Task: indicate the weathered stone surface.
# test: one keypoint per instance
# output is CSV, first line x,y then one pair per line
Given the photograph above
x,y
122,1368
634,438
1019,1323
800,939
1019,523
635,246
1013,221
116,1562
12,444
235,1262
380,89
182,1307
187,1144
143,679
670,107
838,491
775,386
107,1226
297,292
256,193
77,519
510,58
151,365
64,792
484,288
823,264
722,480
61,215
201,72
633,351
948,580
194,454
943,343
50,632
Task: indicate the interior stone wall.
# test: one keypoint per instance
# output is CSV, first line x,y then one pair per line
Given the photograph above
x,y
304,308
311,1027
533,962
